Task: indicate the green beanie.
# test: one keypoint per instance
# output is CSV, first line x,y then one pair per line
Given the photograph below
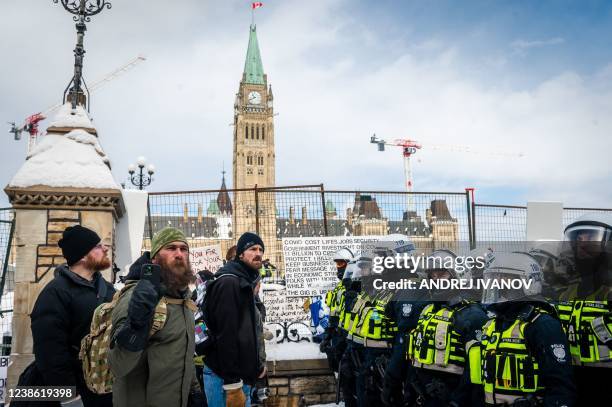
x,y
165,236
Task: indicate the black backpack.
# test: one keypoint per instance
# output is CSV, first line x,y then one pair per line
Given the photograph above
x,y
203,331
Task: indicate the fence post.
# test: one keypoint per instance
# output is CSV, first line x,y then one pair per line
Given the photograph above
x,y
149,220
7,254
470,220
256,210
324,209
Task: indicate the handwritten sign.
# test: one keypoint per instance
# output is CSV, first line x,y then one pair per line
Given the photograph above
x,y
309,269
4,362
206,258
281,308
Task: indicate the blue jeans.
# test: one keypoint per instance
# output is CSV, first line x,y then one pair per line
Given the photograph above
x,y
215,395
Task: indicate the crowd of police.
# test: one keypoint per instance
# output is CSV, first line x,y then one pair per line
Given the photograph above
x,y
537,346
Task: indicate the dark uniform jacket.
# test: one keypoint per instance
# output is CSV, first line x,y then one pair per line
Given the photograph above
x,y
548,344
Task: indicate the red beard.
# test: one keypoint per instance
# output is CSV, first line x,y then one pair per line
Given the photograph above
x,y
176,275
91,263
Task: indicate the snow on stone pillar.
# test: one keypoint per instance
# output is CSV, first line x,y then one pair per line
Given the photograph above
x,y
65,180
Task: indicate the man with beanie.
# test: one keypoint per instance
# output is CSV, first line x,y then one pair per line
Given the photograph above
x,y
233,365
156,370
63,311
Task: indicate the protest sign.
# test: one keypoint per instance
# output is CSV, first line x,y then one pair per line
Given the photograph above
x,y
309,269
206,258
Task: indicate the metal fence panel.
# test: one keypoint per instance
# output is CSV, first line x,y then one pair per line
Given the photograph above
x,y
500,223
221,216
7,279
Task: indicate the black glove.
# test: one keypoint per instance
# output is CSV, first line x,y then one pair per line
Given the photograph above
x,y
392,392
142,304
196,399
133,335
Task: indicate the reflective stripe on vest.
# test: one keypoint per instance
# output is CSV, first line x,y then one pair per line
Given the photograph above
x,y
372,323
354,316
584,324
434,344
502,363
335,300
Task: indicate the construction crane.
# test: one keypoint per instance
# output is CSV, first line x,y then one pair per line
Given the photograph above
x,y
30,124
410,147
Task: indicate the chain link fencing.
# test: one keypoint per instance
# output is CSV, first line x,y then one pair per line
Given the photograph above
x,y
7,279
431,219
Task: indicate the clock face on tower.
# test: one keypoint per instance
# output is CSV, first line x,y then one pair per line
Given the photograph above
x,y
254,98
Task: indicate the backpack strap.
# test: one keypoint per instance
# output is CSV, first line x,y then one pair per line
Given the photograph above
x,y
187,303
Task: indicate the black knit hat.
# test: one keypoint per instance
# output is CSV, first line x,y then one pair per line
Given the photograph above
x,y
247,240
76,242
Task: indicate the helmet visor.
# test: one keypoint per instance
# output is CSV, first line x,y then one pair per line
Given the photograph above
x,y
499,288
586,233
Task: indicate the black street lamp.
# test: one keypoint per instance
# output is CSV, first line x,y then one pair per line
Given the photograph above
x,y
140,179
82,10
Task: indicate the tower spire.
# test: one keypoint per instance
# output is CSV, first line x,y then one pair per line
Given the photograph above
x,y
253,68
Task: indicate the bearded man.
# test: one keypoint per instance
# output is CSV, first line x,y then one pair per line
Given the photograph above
x,y
62,313
156,370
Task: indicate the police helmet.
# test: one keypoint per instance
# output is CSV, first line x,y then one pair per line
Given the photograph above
x,y
344,254
594,226
441,260
511,277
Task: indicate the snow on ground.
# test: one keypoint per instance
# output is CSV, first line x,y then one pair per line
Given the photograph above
x,y
72,160
65,117
293,351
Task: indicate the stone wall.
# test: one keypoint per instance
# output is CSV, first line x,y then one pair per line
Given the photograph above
x,y
309,380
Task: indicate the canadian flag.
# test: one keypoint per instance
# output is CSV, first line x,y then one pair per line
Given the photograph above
x,y
256,4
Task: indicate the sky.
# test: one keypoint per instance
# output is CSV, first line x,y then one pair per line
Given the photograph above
x,y
531,80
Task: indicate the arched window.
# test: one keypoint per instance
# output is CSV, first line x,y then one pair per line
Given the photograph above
x,y
260,160
252,131
246,131
249,159
263,132
257,132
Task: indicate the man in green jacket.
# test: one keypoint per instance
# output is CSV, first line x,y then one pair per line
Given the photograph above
x,y
156,370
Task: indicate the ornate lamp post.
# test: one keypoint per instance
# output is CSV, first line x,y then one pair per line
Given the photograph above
x,y
82,10
140,179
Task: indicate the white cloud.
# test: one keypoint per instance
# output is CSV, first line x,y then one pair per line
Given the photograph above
x,y
520,46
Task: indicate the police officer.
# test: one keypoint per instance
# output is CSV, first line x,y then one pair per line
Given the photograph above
x,y
374,331
522,358
437,344
403,309
351,359
334,343
585,308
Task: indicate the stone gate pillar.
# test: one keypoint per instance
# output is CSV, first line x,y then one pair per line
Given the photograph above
x,y
65,180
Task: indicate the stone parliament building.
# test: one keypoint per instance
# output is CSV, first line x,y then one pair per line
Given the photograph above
x,y
254,166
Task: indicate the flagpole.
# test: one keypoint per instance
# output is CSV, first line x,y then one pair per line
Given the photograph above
x,y
252,16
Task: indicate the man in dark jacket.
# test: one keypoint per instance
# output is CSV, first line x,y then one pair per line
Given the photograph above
x,y
62,313
232,365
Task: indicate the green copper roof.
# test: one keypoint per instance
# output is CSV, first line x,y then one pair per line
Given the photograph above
x,y
253,68
213,208
329,206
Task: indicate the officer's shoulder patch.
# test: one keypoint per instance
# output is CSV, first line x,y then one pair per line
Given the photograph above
x,y
558,350
406,310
